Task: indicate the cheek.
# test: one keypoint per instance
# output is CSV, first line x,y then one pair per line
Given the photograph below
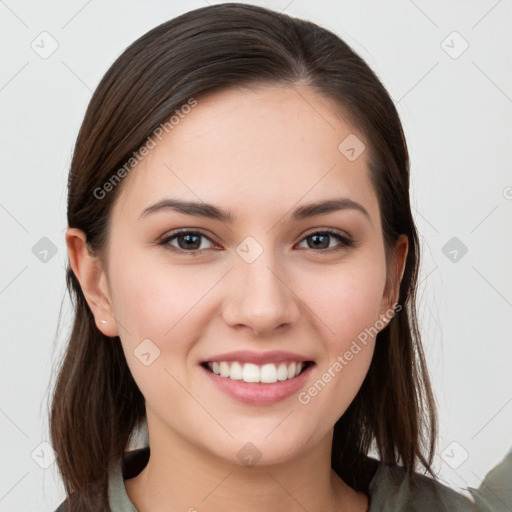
x,y
349,347
166,304
347,305
348,300
153,299
154,307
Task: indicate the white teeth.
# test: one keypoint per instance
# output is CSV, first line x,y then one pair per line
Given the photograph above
x,y
249,372
268,373
282,372
236,372
224,369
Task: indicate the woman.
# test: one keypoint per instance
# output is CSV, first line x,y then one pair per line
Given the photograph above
x,y
244,263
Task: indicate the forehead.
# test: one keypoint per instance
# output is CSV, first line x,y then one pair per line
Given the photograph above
x,y
265,148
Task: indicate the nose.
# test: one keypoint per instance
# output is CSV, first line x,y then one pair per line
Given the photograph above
x,y
260,297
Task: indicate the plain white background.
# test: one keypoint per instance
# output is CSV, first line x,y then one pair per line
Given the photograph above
x,y
455,104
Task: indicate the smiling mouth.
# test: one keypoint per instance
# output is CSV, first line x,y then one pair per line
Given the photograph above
x,y
253,373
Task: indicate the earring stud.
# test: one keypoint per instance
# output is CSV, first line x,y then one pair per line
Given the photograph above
x,y
103,321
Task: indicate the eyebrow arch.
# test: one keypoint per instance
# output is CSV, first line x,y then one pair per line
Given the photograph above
x,y
212,212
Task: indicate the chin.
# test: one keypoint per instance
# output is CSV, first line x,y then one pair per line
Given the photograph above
x,y
256,450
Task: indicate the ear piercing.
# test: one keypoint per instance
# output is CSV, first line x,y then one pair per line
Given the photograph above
x,y
103,321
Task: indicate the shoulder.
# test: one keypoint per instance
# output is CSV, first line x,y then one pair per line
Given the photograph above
x,y
393,488
66,507
131,465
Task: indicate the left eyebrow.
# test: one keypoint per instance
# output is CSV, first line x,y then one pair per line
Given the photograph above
x,y
331,205
213,212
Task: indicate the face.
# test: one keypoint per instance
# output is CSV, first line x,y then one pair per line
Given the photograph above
x,y
272,289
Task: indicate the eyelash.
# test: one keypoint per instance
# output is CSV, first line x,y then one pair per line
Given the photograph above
x,y
345,242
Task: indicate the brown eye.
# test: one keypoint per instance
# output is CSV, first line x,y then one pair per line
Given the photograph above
x,y
186,242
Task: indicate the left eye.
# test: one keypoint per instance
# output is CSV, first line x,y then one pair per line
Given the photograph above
x,y
322,239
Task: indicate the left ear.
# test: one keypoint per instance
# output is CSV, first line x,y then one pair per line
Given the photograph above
x,y
395,273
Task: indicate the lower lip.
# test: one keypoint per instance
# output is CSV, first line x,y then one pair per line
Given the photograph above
x,y
257,393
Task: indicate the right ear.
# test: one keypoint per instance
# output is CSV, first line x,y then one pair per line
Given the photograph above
x,y
89,271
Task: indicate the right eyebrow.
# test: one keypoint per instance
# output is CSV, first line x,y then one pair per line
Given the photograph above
x,y
189,208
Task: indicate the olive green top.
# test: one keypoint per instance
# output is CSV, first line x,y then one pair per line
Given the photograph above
x,y
390,489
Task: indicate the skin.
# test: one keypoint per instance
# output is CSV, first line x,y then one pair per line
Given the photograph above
x,y
259,153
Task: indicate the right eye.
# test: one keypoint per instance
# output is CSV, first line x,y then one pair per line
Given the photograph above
x,y
187,242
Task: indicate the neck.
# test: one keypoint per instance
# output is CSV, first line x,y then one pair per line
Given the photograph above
x,y
181,476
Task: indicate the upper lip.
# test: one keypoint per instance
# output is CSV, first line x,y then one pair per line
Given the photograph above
x,y
249,356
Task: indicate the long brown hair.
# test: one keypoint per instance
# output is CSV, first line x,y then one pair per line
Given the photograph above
x,y
96,403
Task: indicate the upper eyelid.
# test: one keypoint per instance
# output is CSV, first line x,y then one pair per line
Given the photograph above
x,y
178,232
329,231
